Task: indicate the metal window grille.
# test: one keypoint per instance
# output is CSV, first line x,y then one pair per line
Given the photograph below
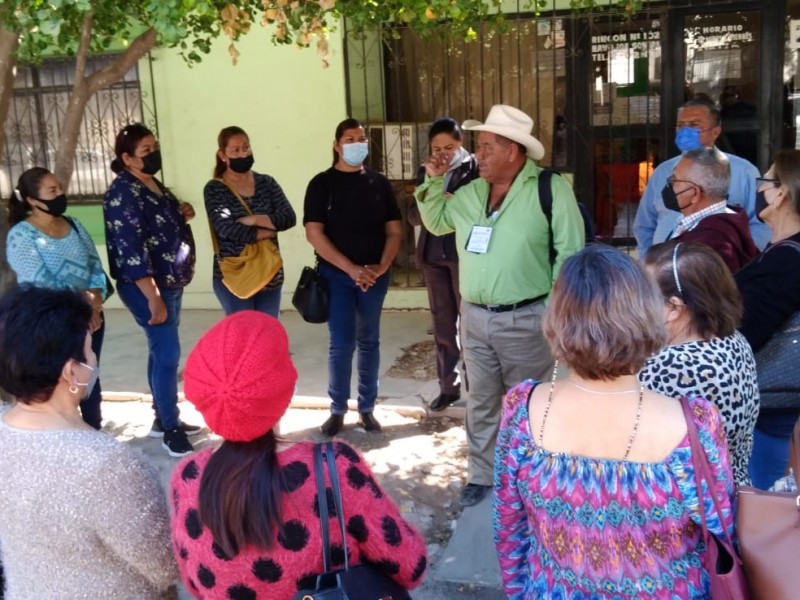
x,y
38,105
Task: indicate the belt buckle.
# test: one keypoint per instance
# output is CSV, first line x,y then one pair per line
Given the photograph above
x,y
493,307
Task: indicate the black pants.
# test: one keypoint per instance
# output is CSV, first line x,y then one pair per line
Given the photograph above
x,y
441,279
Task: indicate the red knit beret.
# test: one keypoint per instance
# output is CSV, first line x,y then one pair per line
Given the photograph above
x,y
240,376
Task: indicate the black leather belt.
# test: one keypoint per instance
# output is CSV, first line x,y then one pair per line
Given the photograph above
x,y
500,308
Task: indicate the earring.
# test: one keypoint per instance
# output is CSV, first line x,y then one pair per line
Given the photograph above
x,y
73,389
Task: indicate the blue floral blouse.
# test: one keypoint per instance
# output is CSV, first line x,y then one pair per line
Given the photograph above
x,y
146,234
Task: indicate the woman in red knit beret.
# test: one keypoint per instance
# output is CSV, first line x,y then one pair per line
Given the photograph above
x,y
245,521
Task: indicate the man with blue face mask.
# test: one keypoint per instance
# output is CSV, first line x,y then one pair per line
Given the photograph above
x,y
698,126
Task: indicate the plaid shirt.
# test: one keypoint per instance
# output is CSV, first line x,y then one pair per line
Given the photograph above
x,y
689,222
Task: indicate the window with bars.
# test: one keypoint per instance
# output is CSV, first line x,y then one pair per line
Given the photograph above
x,y
38,105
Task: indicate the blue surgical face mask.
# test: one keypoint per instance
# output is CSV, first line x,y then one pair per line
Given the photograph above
x,y
355,154
688,138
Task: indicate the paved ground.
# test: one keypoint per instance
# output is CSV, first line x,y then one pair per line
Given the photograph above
x,y
420,459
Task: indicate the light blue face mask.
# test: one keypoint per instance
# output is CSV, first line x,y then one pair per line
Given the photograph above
x,y
89,385
688,138
356,153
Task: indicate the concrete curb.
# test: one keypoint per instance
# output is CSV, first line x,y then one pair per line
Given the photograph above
x,y
414,407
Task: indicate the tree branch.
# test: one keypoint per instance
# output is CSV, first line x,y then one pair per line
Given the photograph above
x,y
124,62
83,47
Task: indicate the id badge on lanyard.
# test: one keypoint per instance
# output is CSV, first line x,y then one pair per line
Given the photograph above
x,y
479,237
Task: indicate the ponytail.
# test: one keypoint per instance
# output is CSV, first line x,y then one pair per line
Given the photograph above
x,y
27,186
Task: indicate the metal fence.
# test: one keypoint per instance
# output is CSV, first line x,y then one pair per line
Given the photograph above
x,y
38,105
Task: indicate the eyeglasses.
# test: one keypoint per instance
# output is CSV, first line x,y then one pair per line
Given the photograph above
x,y
762,180
672,181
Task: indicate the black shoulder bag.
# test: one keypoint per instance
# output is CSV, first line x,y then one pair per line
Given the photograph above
x,y
363,582
310,297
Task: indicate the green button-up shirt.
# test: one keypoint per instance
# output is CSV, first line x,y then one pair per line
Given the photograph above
x,y
516,265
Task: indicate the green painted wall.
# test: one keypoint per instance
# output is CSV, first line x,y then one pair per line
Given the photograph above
x,y
287,102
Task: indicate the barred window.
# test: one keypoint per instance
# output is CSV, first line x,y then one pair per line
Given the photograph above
x,y
36,116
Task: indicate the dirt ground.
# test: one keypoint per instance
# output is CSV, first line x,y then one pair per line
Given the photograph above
x,y
418,361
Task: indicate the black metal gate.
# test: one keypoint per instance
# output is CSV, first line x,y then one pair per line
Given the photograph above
x,y
41,94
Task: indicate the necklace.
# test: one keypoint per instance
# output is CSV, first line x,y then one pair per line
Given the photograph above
x,y
637,418
610,393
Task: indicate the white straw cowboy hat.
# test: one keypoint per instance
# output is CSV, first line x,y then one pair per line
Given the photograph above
x,y
511,123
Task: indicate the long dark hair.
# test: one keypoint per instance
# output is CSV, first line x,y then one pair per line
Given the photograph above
x,y
27,185
240,494
222,142
127,140
349,123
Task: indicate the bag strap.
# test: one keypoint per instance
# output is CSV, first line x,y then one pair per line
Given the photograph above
x,y
702,470
235,193
322,498
214,241
546,202
794,454
337,499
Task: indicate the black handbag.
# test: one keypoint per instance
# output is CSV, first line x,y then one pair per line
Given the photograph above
x,y
362,582
310,297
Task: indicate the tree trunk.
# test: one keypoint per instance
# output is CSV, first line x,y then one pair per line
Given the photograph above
x,y
85,87
9,40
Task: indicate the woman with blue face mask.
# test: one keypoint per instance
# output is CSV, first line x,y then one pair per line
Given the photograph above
x,y
352,220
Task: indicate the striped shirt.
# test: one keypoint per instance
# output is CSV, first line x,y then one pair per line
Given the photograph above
x,y
224,210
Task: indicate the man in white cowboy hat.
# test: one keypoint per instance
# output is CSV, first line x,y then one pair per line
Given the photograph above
x,y
505,270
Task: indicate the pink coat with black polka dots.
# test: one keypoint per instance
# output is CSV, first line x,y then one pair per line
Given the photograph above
x,y
375,532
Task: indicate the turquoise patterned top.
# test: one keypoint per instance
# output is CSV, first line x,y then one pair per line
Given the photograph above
x,y
70,262
573,527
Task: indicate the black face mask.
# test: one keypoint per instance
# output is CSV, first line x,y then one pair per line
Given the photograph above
x,y
241,164
670,198
56,207
151,163
761,204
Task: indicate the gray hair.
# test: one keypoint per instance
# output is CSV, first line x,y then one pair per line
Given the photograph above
x,y
709,168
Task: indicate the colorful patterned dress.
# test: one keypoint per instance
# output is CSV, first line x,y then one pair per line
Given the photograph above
x,y
572,527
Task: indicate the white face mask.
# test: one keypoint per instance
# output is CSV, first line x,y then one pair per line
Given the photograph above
x,y
89,385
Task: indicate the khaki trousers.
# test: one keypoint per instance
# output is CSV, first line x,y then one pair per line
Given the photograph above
x,y
501,350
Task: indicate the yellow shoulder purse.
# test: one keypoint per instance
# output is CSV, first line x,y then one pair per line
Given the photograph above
x,y
246,274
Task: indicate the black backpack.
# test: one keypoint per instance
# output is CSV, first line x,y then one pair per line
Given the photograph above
x,y
546,201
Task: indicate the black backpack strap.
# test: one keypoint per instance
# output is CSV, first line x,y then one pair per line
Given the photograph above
x,y
546,202
322,498
337,499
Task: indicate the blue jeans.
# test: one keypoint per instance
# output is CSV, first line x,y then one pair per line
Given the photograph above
x,y
90,406
354,322
769,459
266,301
164,348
